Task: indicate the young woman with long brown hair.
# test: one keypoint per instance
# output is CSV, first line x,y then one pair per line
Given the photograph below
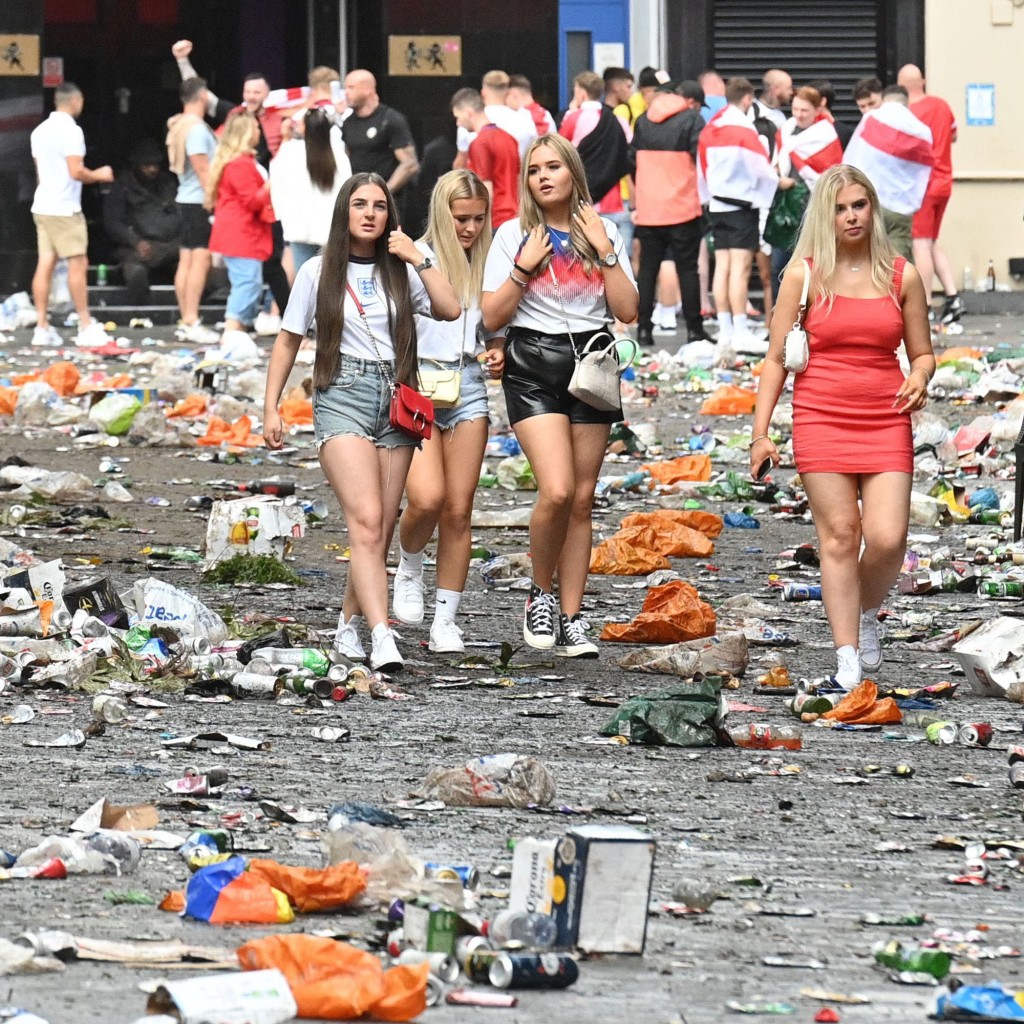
x,y
362,293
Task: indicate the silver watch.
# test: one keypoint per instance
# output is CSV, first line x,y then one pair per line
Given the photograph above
x,y
611,260
425,265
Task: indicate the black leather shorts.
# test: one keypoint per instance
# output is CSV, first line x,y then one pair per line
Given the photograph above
x,y
538,368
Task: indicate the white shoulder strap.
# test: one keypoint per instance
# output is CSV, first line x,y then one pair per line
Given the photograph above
x,y
806,286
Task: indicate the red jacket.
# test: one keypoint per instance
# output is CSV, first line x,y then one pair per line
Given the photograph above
x,y
243,214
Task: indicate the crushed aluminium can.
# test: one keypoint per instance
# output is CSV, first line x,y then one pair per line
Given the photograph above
x,y
975,734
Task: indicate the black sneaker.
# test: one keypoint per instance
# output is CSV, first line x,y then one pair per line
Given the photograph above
x,y
698,334
573,641
645,337
539,620
952,310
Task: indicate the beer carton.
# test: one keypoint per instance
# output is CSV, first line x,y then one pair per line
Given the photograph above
x,y
992,656
248,997
533,875
602,888
257,525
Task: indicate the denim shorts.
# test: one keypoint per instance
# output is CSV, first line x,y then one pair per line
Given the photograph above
x,y
472,394
357,404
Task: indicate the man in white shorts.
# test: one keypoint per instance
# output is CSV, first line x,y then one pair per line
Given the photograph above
x,y
58,149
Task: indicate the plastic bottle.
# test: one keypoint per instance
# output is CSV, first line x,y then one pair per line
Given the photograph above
x,y
122,852
921,961
305,657
990,277
968,280
760,736
533,930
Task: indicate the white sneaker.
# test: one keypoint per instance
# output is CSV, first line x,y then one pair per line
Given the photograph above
x,y
346,639
446,638
666,325
869,644
847,668
385,657
47,337
748,343
198,334
267,325
93,336
408,597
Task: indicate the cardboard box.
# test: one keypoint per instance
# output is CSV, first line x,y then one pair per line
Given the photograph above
x,y
992,657
533,875
45,582
257,525
95,596
247,997
602,888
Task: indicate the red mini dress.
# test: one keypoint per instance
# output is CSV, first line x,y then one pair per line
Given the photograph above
x,y
844,419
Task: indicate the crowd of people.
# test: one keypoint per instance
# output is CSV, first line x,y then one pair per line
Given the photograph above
x,y
535,235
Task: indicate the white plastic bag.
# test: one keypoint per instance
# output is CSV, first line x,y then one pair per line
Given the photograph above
x,y
161,604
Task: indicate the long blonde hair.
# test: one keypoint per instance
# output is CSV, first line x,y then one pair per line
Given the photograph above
x,y
532,216
817,240
466,275
235,142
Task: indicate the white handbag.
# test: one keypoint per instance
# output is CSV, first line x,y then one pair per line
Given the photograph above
x,y
797,353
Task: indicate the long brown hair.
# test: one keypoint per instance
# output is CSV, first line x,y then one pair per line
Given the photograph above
x,y
331,291
320,162
530,213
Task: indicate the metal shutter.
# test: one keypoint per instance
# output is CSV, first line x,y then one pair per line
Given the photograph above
x,y
807,38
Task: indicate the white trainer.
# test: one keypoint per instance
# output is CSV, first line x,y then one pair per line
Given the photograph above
x,y
408,597
748,343
93,336
267,325
47,337
346,639
869,644
385,656
446,638
847,668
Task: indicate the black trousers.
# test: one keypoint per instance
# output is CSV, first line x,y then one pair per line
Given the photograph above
x,y
274,276
136,271
685,242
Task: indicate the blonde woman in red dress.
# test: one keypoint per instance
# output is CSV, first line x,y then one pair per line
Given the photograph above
x,y
852,437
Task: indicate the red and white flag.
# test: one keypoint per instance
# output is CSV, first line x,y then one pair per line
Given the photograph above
x,y
285,99
811,152
893,148
733,171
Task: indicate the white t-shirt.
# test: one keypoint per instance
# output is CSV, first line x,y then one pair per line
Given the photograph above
x,y
443,340
563,284
300,314
518,123
305,211
57,138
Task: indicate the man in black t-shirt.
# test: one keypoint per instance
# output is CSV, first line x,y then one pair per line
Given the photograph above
x,y
377,136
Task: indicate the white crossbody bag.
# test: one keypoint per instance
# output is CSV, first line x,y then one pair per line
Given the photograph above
x,y
797,353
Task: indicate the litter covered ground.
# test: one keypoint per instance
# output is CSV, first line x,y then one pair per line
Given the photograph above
x,y
835,866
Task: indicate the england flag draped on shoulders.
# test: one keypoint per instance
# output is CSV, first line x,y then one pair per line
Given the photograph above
x,y
811,152
732,164
894,149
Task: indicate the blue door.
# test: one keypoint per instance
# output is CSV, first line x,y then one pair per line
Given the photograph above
x,y
589,34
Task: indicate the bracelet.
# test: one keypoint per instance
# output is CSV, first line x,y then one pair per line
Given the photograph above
x,y
760,437
522,270
522,284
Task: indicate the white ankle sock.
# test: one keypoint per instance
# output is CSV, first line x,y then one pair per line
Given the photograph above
x,y
446,605
410,562
725,323
739,321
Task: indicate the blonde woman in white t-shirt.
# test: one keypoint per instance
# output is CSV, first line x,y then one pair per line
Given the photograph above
x,y
446,470
556,275
362,292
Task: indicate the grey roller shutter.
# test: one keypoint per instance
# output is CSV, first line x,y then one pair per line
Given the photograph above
x,y
840,41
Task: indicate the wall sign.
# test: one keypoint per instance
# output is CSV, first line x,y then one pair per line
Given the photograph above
x,y
436,56
53,72
19,55
981,105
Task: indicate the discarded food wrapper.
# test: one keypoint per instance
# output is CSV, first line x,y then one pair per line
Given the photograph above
x,y
498,780
257,525
990,1002
250,997
992,656
723,654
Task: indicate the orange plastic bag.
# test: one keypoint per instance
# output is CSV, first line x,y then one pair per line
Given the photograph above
x,y
313,889
296,412
953,355
8,400
334,981
706,522
729,400
667,538
861,706
238,433
63,377
190,407
17,379
249,899
174,901
671,613
617,557
686,467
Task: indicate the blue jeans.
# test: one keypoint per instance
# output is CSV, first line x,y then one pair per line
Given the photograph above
x,y
302,252
246,277
624,222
